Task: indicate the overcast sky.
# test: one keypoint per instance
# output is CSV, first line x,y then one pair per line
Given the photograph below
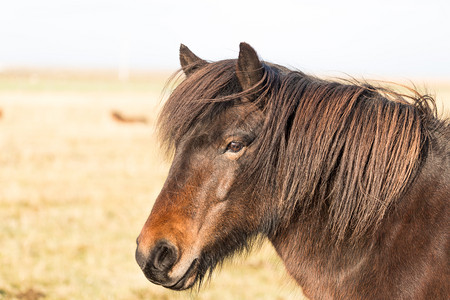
x,y
384,37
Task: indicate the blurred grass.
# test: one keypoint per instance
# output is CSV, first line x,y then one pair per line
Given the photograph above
x,y
76,188
78,81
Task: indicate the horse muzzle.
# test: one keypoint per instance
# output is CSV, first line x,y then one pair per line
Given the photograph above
x,y
158,266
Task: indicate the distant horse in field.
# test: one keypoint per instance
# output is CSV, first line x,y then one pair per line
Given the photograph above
x,y
119,117
349,182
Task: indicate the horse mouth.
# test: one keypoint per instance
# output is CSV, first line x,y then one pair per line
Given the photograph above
x,y
188,279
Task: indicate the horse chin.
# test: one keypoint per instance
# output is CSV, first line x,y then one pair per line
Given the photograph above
x,y
188,279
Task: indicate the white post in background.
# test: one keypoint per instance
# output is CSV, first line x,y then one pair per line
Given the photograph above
x,y
124,60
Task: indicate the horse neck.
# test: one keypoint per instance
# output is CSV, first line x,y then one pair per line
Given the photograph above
x,y
310,260
418,218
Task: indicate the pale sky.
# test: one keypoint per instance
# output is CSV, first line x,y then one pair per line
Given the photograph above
x,y
405,38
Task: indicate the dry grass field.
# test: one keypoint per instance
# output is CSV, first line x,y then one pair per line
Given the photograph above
x,y
76,187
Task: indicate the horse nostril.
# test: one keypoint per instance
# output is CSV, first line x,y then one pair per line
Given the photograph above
x,y
164,256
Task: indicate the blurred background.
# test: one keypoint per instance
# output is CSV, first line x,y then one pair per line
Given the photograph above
x,y
80,87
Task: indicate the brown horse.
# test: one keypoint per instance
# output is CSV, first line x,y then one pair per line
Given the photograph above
x,y
349,182
121,118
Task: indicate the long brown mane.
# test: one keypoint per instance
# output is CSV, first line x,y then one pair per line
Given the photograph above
x,y
340,151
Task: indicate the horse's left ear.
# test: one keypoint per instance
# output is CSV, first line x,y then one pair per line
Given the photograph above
x,y
249,69
189,61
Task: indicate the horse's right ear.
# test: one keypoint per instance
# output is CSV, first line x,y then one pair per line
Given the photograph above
x,y
189,61
249,69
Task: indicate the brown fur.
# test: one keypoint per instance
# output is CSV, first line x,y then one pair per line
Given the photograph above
x,y
314,139
350,182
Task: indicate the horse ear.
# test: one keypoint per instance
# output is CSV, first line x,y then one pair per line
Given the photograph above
x,y
249,69
189,61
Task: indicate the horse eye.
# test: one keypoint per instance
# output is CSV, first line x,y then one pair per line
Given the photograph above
x,y
235,146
